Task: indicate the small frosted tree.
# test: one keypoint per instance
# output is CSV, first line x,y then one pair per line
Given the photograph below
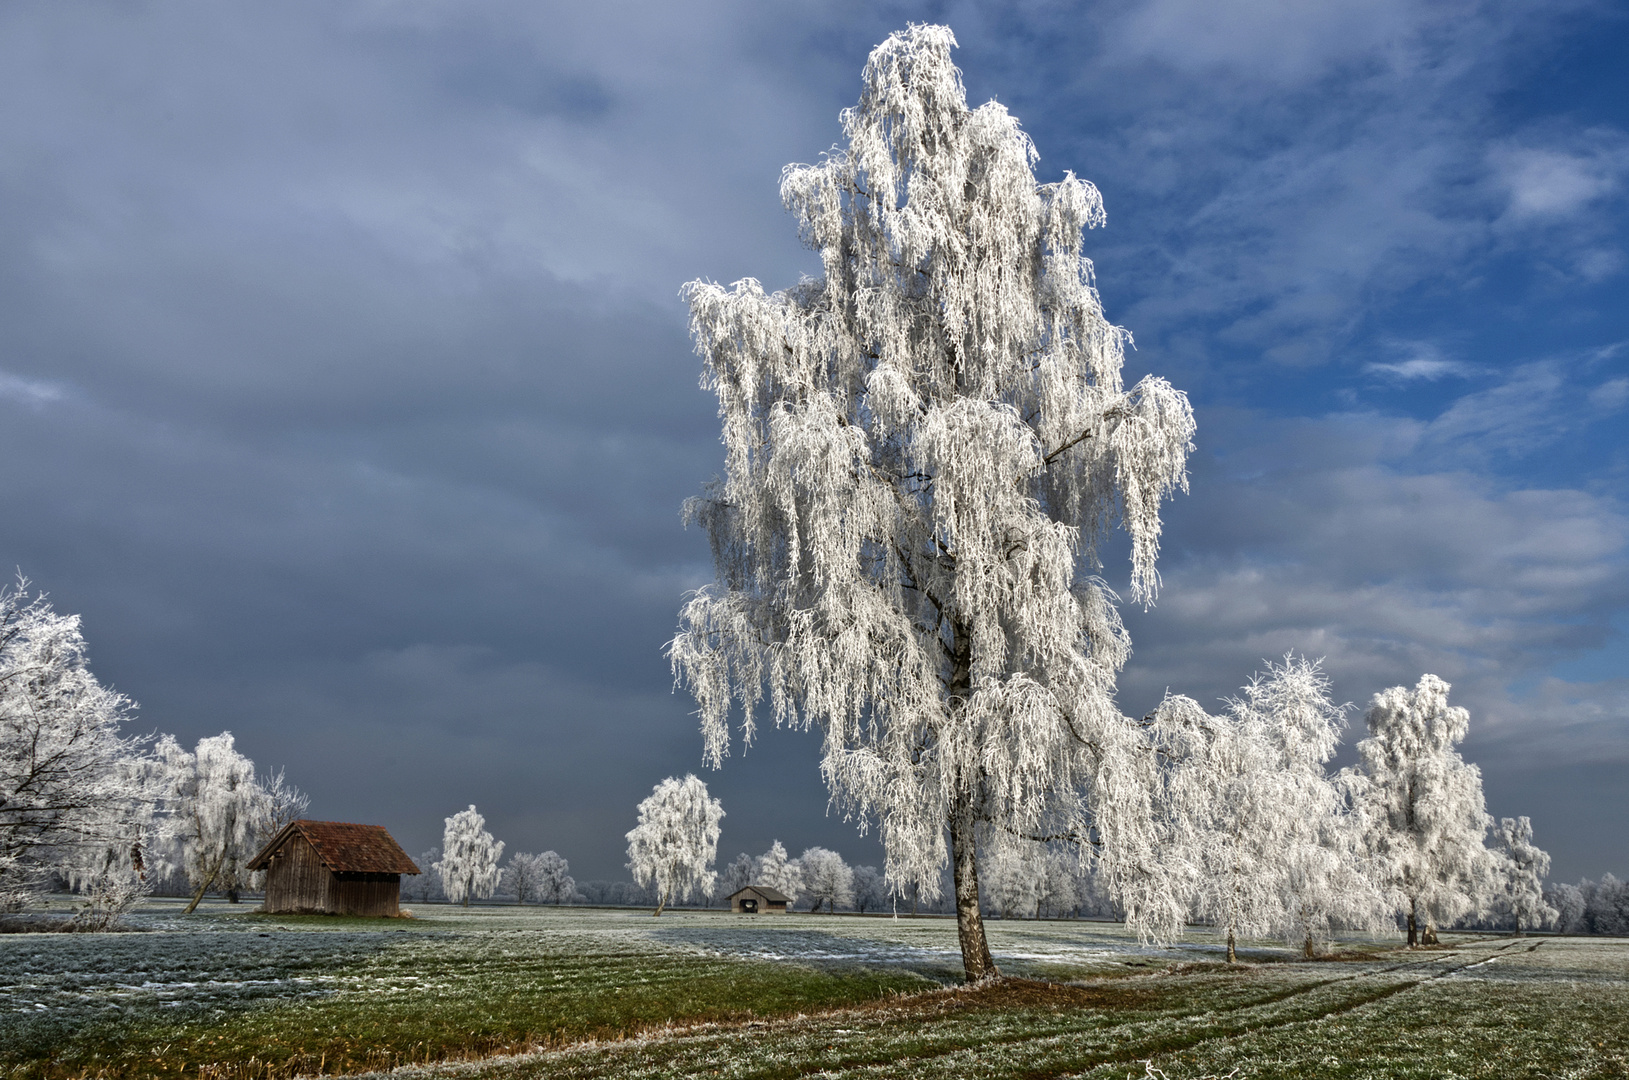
x,y
827,879
1424,804
924,446
735,877
425,886
469,858
672,848
781,873
1524,867
1325,877
1223,820
557,886
870,889
1264,833
522,876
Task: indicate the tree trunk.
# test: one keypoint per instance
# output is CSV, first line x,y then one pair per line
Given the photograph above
x,y
976,958
1430,935
1307,950
1413,927
661,902
1232,955
208,881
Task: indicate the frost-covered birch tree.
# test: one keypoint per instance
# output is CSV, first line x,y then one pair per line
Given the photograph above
x,y
1266,834
1524,867
1223,823
558,886
469,857
778,871
1324,874
870,889
924,446
522,876
673,847
1427,815
827,879
220,812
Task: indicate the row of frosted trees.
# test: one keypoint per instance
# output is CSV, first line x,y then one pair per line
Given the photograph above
x,y
108,814
1259,838
1252,833
466,866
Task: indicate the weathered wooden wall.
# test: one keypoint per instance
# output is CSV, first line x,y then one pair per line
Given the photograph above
x,y
367,894
297,880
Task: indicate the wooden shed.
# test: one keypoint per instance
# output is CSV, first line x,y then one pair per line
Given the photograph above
x,y
759,900
333,868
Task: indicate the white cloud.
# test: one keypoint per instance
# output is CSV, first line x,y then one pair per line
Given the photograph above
x,y
1422,362
35,392
1323,537
1553,183
1611,395
1280,41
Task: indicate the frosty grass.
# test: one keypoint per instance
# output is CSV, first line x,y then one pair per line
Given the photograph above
x,y
232,994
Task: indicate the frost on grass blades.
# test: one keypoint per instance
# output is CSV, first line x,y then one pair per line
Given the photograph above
x,y
922,445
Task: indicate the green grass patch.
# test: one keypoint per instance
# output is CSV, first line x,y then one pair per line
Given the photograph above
x,y
351,1001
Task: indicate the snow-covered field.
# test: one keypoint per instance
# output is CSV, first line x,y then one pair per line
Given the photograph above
x,y
268,996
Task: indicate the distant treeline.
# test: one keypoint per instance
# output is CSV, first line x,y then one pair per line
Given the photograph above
x,y
1591,907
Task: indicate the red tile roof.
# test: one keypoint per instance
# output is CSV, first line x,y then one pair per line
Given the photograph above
x,y
344,847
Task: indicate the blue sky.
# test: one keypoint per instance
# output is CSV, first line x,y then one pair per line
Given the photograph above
x,y
344,384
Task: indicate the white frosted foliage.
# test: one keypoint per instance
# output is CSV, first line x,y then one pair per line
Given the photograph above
x,y
778,871
76,795
1261,830
469,858
1524,867
827,879
672,848
220,813
924,446
1427,815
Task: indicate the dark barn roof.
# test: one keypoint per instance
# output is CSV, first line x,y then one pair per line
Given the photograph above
x,y
344,847
764,891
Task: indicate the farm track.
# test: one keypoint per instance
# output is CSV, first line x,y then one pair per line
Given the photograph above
x,y
1062,1030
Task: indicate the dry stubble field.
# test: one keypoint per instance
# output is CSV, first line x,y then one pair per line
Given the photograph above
x,y
504,992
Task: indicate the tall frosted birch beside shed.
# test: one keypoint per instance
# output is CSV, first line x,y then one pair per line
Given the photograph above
x,y
924,447
218,812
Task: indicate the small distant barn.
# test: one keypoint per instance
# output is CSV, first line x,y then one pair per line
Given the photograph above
x,y
333,868
759,900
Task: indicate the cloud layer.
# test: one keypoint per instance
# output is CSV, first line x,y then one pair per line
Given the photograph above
x,y
345,389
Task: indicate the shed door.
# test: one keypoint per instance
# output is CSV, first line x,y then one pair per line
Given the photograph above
x,y
749,905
